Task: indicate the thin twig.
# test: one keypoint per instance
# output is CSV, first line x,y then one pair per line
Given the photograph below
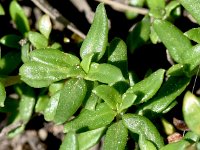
x,y
9,128
55,15
83,6
123,7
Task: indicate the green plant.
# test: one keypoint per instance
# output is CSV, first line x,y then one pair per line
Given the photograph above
x,y
97,88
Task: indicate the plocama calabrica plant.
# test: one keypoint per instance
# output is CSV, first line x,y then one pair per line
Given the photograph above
x,y
95,95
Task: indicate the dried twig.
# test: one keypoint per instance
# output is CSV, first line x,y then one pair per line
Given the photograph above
x,y
123,7
83,6
9,128
55,15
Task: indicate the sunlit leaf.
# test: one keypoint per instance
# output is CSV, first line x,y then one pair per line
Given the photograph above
x,y
116,137
88,139
191,112
97,37
69,142
45,25
144,127
92,119
104,73
71,98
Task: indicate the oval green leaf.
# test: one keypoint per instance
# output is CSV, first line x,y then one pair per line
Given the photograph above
x,y
45,26
37,40
54,57
191,112
26,105
39,75
71,98
146,88
192,6
193,34
175,41
51,107
144,127
41,104
11,40
116,137
117,55
88,139
92,119
69,142
105,73
19,17
97,37
109,95
146,144
180,145
168,92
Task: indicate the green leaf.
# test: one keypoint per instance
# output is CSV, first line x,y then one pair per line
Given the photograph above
x,y
192,6
42,103
26,104
92,102
191,112
104,73
180,145
39,75
85,63
88,139
109,95
146,144
191,136
37,40
70,142
193,57
176,70
193,34
52,105
168,92
54,57
116,137
2,94
11,40
127,101
117,55
179,46
55,87
71,98
92,119
45,26
170,7
19,17
156,8
168,127
2,12
97,37
7,61
25,51
156,4
139,35
146,88
144,127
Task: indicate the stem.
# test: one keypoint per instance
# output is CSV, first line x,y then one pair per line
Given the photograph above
x,y
55,15
123,7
